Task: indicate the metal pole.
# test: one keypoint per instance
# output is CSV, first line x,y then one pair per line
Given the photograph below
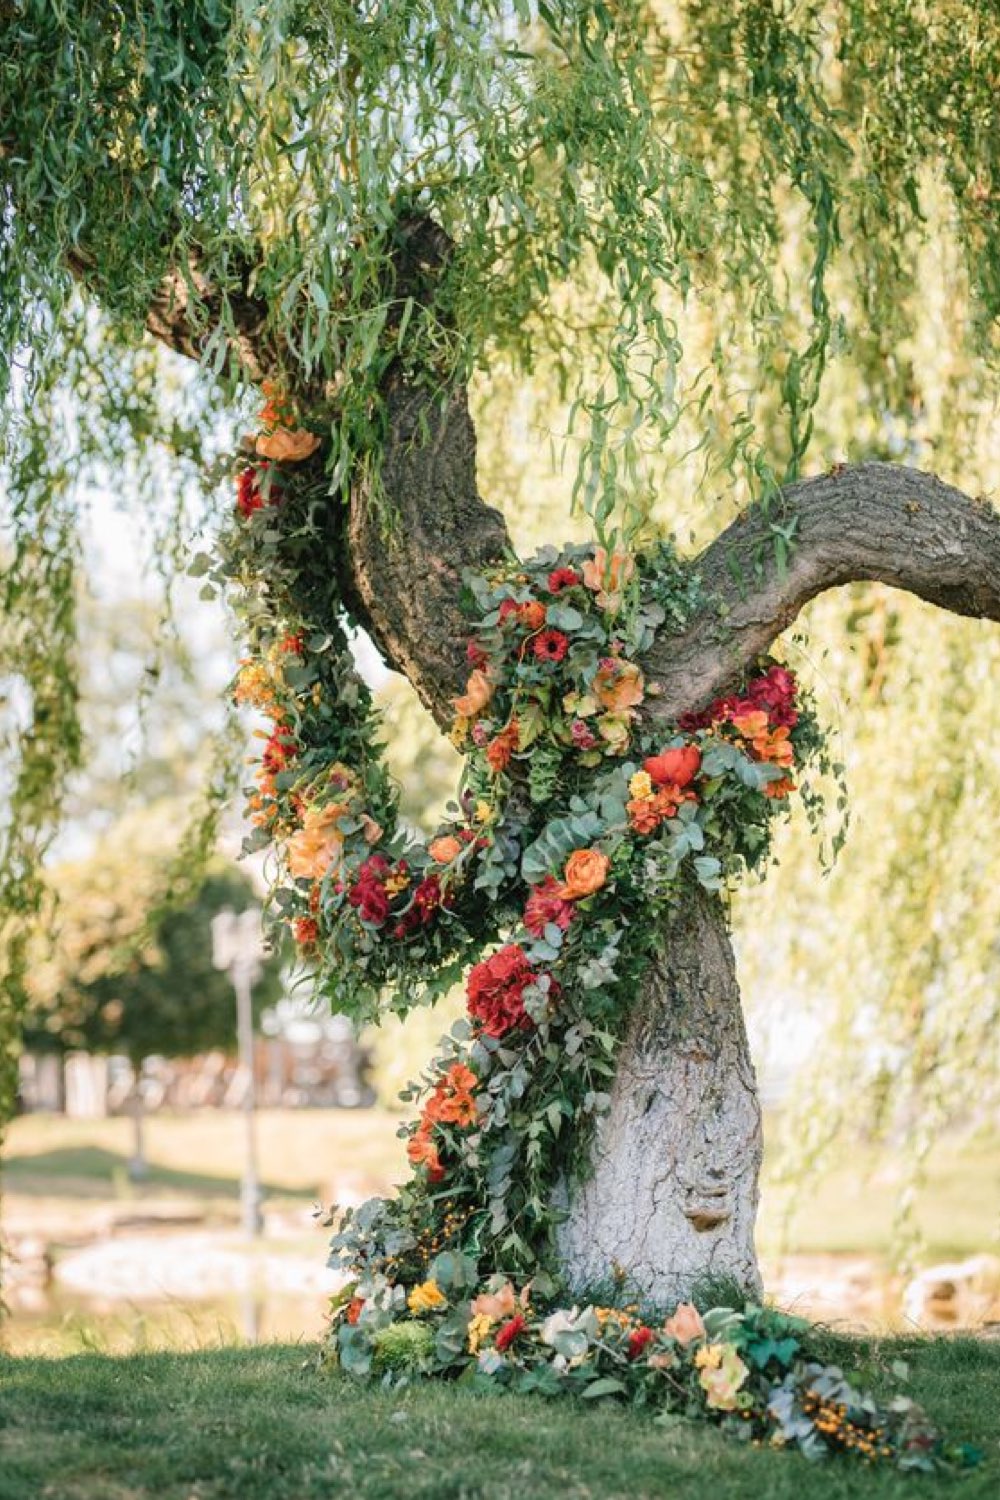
x,y
250,1184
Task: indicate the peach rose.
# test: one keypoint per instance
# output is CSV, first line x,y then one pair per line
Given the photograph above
x,y
618,686
586,871
284,446
478,692
313,849
496,1305
444,849
532,615
685,1326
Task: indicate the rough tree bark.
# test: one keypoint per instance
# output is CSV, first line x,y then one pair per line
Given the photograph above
x,y
672,1194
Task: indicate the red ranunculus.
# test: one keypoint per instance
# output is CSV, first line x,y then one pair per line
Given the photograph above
x,y
509,1332
545,905
495,991
279,750
675,767
563,578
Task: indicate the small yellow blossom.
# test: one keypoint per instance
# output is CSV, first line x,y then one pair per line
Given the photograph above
x,y
396,883
709,1357
478,1330
426,1297
459,732
484,812
641,786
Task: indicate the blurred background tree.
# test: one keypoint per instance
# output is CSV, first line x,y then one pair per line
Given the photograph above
x,y
121,967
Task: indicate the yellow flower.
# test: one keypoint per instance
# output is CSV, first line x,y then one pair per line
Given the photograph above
x,y
484,812
478,1330
396,883
709,1357
641,786
426,1297
459,732
614,729
721,1383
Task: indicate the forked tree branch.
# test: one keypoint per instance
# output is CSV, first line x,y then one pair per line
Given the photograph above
x,y
872,522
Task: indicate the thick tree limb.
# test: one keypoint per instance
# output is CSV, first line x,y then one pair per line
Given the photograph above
x,y
872,522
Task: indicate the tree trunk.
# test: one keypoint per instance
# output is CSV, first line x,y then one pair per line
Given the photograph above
x,y
671,1196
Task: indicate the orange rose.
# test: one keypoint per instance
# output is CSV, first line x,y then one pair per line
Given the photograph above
x,y
779,789
532,615
478,692
501,748
586,871
444,849
286,447
685,1326
422,1152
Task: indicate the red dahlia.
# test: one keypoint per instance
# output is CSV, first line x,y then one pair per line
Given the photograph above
x,y
551,645
563,578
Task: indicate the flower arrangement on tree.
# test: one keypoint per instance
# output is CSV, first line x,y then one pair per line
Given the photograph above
x,y
575,825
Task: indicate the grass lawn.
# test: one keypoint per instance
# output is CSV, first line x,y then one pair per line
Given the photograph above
x,y
264,1424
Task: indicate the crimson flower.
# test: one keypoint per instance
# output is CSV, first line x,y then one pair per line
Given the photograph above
x,y
495,991
509,1332
551,645
545,905
563,578
638,1339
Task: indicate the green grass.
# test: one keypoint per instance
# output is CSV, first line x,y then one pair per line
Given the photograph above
x,y
264,1424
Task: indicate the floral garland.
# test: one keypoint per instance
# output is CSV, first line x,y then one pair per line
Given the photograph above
x,y
576,825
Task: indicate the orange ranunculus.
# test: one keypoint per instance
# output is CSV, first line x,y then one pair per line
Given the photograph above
x,y
451,1102
478,692
618,685
586,871
779,789
444,849
532,615
675,767
284,446
354,1308
607,577
685,1326
501,748
318,842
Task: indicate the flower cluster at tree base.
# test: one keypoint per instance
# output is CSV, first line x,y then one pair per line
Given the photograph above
x,y
753,1371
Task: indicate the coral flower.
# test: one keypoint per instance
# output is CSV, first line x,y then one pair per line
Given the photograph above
x,y
306,931
444,849
607,577
354,1309
551,645
586,872
422,1152
478,692
618,685
532,615
496,1305
675,767
318,843
501,748
685,1326
286,446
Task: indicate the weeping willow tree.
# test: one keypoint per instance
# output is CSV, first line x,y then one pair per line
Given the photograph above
x,y
705,231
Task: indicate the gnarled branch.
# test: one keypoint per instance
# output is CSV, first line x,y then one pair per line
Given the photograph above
x,y
873,522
